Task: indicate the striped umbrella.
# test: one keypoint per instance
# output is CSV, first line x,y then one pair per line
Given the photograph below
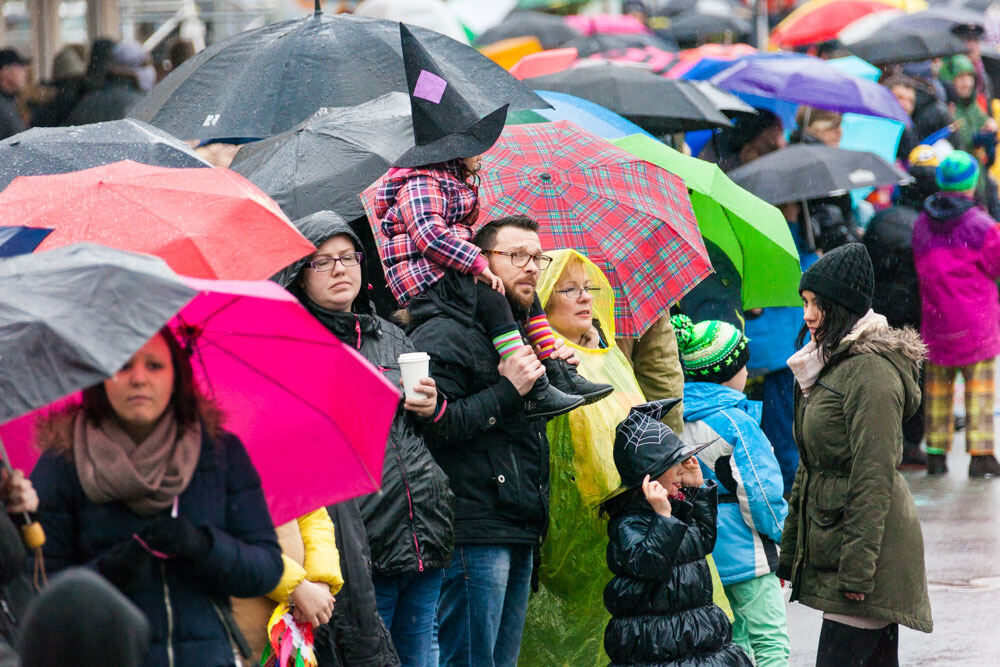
x,y
630,217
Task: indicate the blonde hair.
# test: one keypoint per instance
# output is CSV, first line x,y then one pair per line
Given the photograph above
x,y
574,264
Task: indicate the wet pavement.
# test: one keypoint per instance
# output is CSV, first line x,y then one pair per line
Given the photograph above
x,y
960,519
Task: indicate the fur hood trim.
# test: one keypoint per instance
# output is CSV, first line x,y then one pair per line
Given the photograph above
x,y
882,341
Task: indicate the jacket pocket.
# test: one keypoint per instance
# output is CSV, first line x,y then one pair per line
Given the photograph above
x,y
824,538
505,477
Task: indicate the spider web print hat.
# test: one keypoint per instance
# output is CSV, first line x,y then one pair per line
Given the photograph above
x,y
644,445
711,351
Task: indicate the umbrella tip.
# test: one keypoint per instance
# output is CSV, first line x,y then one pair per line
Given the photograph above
x,y
317,9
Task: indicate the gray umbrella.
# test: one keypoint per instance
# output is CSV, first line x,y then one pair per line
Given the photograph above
x,y
327,160
72,316
58,150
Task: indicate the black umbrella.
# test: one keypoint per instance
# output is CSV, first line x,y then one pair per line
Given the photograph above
x,y
894,44
656,104
692,28
59,150
72,316
326,161
262,82
591,44
810,171
552,31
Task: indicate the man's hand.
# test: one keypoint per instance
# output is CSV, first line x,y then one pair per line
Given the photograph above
x,y
563,351
17,492
522,369
656,496
312,603
423,407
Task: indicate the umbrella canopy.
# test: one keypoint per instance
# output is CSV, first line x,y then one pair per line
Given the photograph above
x,y
810,171
57,150
262,82
20,240
543,62
206,223
943,18
73,316
896,44
631,218
606,24
588,46
656,104
585,114
807,80
657,61
752,233
550,30
695,27
820,20
326,161
724,101
431,14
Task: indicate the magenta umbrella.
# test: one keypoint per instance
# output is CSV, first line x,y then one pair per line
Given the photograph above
x,y
314,415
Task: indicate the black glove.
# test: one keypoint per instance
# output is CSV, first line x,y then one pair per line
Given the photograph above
x,y
177,537
126,565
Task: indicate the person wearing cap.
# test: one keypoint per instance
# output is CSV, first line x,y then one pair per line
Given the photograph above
x,y
13,79
889,240
741,462
852,545
956,251
129,71
661,527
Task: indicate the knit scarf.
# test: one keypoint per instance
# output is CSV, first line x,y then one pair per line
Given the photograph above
x,y
146,476
808,363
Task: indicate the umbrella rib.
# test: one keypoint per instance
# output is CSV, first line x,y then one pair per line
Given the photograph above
x,y
298,396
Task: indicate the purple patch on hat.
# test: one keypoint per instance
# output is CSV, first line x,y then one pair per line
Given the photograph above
x,y
429,87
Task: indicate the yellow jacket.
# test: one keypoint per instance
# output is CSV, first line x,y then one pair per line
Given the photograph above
x,y
320,560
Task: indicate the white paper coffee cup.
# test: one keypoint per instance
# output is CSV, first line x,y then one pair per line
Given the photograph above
x,y
413,366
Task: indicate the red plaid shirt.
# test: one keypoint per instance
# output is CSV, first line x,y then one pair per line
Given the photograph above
x,y
426,214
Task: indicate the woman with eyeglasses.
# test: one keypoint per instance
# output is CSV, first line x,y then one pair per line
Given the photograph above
x,y
408,522
580,305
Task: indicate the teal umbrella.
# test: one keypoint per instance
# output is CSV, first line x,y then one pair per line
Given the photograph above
x,y
752,233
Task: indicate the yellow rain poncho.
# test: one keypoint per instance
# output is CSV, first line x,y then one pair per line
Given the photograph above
x,y
566,617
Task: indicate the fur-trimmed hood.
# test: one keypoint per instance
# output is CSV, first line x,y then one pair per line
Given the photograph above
x,y
903,348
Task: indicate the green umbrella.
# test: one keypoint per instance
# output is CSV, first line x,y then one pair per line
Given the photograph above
x,y
752,233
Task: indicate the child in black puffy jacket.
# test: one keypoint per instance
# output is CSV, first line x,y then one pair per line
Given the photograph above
x,y
661,527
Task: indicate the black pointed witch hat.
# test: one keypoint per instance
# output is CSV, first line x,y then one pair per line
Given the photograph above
x,y
445,126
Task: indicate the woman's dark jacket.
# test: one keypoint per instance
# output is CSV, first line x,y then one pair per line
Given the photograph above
x,y
889,239
409,519
15,589
660,598
183,600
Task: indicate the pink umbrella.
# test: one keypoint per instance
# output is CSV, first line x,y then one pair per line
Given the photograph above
x,y
606,24
313,414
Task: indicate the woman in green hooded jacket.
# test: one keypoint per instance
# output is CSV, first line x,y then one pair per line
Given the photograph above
x,y
852,545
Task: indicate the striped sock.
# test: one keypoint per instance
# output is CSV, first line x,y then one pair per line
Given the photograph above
x,y
507,343
540,335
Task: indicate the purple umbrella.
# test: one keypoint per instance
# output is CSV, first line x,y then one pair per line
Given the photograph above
x,y
807,80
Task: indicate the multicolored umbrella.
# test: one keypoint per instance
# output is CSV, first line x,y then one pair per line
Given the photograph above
x,y
752,233
632,218
279,376
820,20
204,222
590,116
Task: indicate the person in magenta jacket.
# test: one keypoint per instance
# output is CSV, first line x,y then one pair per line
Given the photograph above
x,y
956,250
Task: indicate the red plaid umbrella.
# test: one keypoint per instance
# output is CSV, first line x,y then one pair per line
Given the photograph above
x,y
630,217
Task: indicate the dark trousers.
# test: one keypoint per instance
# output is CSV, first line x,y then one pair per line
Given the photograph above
x,y
845,646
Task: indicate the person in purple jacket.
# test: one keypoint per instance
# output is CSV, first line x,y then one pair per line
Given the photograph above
x,y
956,250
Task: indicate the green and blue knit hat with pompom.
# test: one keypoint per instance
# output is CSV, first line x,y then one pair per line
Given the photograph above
x,y
711,351
958,172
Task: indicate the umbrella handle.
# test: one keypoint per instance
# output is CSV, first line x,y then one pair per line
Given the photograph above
x,y
31,530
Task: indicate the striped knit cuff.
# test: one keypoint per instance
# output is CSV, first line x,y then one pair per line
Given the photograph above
x,y
540,335
507,343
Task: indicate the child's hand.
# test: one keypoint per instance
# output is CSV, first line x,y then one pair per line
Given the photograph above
x,y
491,279
312,603
691,475
657,496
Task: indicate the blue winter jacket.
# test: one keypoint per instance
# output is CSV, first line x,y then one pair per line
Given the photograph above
x,y
183,601
751,507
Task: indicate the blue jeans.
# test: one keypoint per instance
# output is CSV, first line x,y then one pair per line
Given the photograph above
x,y
777,422
408,605
484,600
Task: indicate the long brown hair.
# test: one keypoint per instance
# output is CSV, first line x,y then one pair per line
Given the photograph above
x,y
186,401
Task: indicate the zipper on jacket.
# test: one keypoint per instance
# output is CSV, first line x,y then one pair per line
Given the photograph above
x,y
357,330
232,641
170,615
7,611
409,502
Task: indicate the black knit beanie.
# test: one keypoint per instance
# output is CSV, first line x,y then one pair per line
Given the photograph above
x,y
845,276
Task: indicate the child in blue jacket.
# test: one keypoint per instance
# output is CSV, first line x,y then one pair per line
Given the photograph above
x,y
741,461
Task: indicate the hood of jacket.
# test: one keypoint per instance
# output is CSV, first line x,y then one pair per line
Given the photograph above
x,y
947,207
903,348
603,305
319,228
396,178
702,399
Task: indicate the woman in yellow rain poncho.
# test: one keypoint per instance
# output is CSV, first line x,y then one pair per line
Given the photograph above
x,y
566,617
